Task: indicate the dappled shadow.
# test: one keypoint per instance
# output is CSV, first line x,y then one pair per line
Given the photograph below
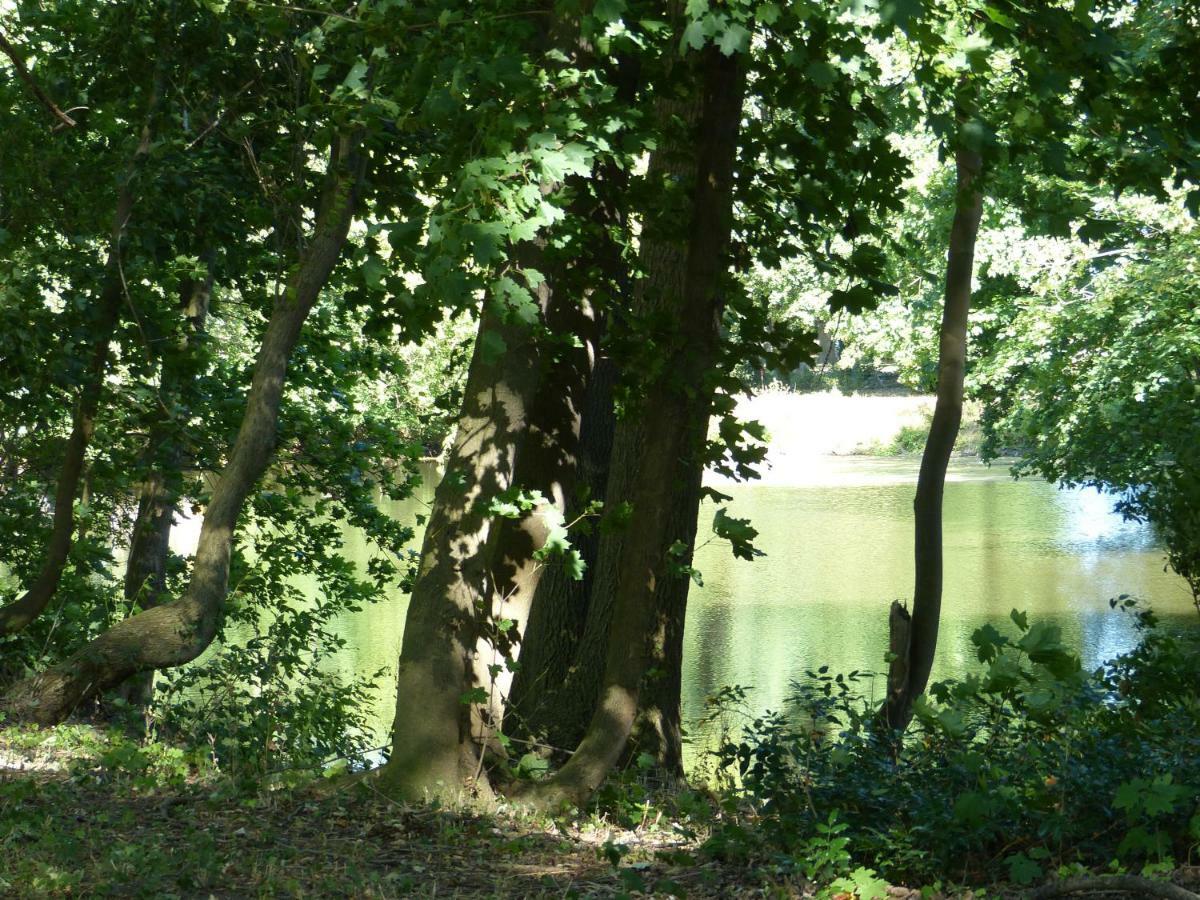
x,y
107,834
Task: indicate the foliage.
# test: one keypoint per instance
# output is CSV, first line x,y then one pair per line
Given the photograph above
x,y
1099,386
1028,767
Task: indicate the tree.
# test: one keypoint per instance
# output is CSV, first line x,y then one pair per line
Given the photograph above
x,y
173,633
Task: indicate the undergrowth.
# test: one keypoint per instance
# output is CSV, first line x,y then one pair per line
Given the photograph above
x,y
1029,769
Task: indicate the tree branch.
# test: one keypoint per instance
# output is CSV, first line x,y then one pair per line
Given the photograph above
x,y
11,52
1133,884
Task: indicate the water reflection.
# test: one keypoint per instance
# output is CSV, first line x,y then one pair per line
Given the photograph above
x,y
838,539
839,549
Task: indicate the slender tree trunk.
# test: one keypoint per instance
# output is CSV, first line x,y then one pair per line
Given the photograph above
x,y
150,540
175,633
17,615
913,651
683,283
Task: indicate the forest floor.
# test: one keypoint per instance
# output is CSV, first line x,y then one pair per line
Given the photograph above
x,y
81,816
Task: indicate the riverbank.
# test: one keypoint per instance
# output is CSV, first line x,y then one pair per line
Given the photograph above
x,y
87,812
803,425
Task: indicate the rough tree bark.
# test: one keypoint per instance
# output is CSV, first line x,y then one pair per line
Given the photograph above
x,y
683,285
561,604
437,736
563,658
519,428
150,537
175,633
25,609
913,653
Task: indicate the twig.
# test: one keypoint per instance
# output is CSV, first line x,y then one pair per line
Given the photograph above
x,y
19,64
219,116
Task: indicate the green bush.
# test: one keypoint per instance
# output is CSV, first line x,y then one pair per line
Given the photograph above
x,y
1028,767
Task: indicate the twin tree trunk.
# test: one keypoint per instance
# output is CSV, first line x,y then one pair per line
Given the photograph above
x,y
174,633
913,640
519,430
25,609
663,438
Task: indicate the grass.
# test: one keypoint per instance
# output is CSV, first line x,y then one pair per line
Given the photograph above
x,y
88,813
85,812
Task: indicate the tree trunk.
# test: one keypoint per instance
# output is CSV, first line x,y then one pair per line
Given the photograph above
x,y
561,604
17,615
563,661
150,538
910,669
437,738
682,285
175,633
547,462
520,428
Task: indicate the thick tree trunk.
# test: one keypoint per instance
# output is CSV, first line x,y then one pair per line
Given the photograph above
x,y
150,538
683,283
547,462
438,737
560,608
563,662
520,428
658,729
910,669
17,615
175,633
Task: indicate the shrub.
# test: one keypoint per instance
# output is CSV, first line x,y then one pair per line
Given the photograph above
x,y
1028,766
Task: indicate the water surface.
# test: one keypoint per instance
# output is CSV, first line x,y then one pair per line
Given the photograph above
x,y
837,534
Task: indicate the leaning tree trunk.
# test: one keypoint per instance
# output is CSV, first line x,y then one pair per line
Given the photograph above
x,y
914,640
683,285
175,633
150,538
25,609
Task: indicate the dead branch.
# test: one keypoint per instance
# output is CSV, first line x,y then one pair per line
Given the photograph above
x,y
1130,884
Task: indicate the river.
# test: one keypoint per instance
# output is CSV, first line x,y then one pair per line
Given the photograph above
x,y
837,534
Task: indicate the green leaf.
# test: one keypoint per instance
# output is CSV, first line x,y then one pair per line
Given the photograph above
x,y
1023,870
902,14
693,36
822,74
609,10
739,532
768,13
735,39
854,300
475,695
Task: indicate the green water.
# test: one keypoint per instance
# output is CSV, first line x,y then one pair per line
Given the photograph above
x,y
838,542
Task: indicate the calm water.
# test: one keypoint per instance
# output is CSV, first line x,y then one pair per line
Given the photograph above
x,y
838,544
